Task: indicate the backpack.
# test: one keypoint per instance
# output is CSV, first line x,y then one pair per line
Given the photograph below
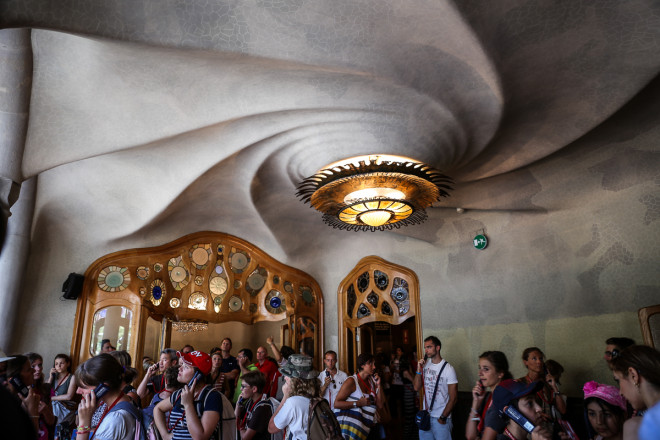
x,y
140,434
200,403
227,420
322,422
274,404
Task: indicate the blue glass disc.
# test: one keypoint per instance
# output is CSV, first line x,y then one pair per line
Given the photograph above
x,y
275,302
157,292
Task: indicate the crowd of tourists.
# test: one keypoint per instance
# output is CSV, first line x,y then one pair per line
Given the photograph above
x,y
274,393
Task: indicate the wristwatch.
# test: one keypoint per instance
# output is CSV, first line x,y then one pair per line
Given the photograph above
x,y
355,404
443,418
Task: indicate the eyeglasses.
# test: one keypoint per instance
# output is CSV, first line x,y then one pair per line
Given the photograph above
x,y
244,385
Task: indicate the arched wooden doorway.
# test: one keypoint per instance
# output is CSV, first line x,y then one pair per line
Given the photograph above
x,y
373,297
135,297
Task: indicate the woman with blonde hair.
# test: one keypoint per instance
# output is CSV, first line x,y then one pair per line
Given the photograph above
x,y
301,385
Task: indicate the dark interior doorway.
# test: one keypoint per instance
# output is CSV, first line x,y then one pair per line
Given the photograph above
x,y
382,337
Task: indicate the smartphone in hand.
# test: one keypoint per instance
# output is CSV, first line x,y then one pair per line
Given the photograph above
x,y
16,381
521,420
100,390
197,375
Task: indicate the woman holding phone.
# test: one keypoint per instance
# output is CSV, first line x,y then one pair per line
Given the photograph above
x,y
493,368
64,386
20,378
46,417
533,358
101,379
360,397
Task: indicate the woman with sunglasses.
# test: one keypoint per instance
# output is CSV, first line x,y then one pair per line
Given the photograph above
x,y
637,370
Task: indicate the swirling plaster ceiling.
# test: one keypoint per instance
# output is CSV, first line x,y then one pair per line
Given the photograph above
x,y
150,119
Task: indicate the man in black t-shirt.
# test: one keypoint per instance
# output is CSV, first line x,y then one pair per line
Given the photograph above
x,y
153,383
229,367
253,409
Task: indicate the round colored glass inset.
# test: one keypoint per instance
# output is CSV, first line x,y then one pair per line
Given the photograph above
x,y
275,302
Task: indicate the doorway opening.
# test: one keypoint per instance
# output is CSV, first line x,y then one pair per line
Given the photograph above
x,y
378,305
383,337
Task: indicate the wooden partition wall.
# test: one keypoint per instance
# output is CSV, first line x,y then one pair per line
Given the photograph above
x,y
375,291
206,277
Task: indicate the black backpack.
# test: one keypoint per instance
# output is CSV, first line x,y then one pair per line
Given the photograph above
x,y
322,422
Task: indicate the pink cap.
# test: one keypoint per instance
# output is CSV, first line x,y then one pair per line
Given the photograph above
x,y
608,393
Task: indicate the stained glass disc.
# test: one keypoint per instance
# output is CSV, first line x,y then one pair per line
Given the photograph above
x,y
143,272
239,261
197,301
200,256
235,304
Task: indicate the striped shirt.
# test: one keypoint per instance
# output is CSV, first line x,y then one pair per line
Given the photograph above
x,y
176,422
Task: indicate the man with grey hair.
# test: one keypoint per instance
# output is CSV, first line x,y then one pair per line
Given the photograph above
x,y
153,383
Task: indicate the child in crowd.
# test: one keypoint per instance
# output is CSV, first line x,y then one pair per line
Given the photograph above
x,y
522,397
195,410
604,410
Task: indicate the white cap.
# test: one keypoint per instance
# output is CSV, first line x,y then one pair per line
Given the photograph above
x,y
4,357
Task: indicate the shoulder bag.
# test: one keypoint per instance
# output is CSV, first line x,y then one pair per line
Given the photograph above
x,y
423,417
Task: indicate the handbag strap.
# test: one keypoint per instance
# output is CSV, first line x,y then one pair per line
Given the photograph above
x,y
435,389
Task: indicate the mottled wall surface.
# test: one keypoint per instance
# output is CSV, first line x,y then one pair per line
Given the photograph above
x,y
150,120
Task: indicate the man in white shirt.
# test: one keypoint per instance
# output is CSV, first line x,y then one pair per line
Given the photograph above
x,y
446,395
331,378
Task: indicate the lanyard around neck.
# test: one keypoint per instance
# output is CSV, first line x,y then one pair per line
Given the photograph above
x,y
183,413
62,381
105,413
367,386
247,412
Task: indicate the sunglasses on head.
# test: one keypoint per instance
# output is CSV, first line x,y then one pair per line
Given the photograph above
x,y
614,353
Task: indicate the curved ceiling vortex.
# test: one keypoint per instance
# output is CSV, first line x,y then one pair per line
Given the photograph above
x,y
171,100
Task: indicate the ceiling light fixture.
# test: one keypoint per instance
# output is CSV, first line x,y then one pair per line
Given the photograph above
x,y
374,193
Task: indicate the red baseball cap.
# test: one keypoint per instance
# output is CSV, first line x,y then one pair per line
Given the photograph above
x,y
197,359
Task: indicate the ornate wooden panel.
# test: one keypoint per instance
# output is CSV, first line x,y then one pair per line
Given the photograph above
x,y
203,277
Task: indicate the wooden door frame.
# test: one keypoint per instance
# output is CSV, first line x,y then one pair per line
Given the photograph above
x,y
346,322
